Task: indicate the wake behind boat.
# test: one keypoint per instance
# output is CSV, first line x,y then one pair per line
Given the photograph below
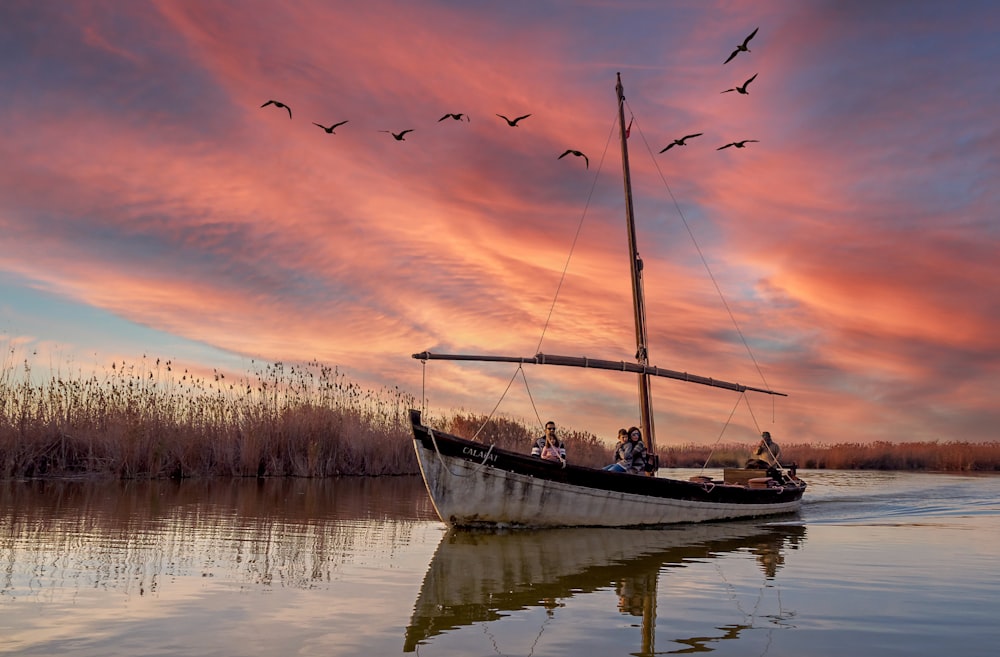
x,y
475,484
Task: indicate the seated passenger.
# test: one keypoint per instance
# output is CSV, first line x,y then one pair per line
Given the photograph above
x,y
618,466
632,455
540,443
767,453
552,450
637,451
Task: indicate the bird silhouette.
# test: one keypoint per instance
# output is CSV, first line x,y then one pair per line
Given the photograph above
x,y
680,142
278,104
397,135
330,130
743,46
743,89
737,144
513,122
457,117
586,160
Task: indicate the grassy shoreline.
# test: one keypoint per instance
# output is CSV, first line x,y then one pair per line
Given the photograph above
x,y
147,420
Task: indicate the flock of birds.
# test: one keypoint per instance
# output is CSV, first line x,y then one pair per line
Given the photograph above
x,y
741,89
513,122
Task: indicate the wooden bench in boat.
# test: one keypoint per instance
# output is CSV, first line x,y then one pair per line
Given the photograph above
x,y
743,476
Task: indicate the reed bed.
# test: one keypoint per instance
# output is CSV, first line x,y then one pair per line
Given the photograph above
x,y
951,456
152,420
147,420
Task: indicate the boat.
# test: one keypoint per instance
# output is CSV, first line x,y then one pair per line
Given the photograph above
x,y
478,577
472,483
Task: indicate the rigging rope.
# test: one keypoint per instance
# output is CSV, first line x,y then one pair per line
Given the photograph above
x,y
742,398
562,278
423,387
499,401
444,465
701,255
576,237
724,427
750,410
527,388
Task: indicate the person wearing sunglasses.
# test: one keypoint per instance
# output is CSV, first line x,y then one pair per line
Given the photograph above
x,y
551,440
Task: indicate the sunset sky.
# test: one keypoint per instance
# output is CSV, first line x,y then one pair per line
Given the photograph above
x,y
150,206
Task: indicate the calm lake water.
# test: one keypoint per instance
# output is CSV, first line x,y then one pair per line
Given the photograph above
x,y
874,564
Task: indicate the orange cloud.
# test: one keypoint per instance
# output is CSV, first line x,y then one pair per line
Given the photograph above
x,y
853,243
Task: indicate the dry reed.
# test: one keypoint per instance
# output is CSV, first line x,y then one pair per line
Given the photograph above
x,y
147,420
952,456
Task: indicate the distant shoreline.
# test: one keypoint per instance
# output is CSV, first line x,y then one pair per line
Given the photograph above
x,y
149,422
63,458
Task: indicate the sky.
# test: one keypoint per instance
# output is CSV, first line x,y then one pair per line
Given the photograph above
x,y
151,207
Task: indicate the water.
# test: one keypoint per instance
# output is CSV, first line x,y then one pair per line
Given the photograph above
x,y
874,564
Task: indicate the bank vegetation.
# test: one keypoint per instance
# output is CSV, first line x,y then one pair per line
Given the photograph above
x,y
148,420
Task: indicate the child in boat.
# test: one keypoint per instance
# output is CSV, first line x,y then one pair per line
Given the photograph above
x,y
630,456
542,442
552,451
618,465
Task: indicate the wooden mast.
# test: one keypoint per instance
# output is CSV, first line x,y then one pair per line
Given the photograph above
x,y
635,266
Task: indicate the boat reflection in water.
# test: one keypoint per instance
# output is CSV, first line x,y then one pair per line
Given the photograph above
x,y
481,576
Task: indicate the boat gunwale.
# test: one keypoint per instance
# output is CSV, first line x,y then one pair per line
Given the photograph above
x,y
490,456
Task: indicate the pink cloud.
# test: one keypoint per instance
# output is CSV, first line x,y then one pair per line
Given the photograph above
x,y
166,195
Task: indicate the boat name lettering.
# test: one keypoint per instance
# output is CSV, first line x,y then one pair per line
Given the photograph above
x,y
477,453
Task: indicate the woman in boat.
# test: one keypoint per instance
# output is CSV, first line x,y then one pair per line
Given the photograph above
x,y
635,452
630,456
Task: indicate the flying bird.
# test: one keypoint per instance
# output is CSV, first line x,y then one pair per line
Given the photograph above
x,y
330,130
280,105
397,135
743,46
743,89
737,144
680,142
513,122
457,117
578,154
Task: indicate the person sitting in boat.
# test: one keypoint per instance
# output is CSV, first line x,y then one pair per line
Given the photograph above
x,y
553,451
636,452
633,454
766,454
542,441
617,466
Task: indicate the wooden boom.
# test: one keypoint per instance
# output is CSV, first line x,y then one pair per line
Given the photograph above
x,y
578,361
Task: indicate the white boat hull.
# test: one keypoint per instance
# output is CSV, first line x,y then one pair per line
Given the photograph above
x,y
471,492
